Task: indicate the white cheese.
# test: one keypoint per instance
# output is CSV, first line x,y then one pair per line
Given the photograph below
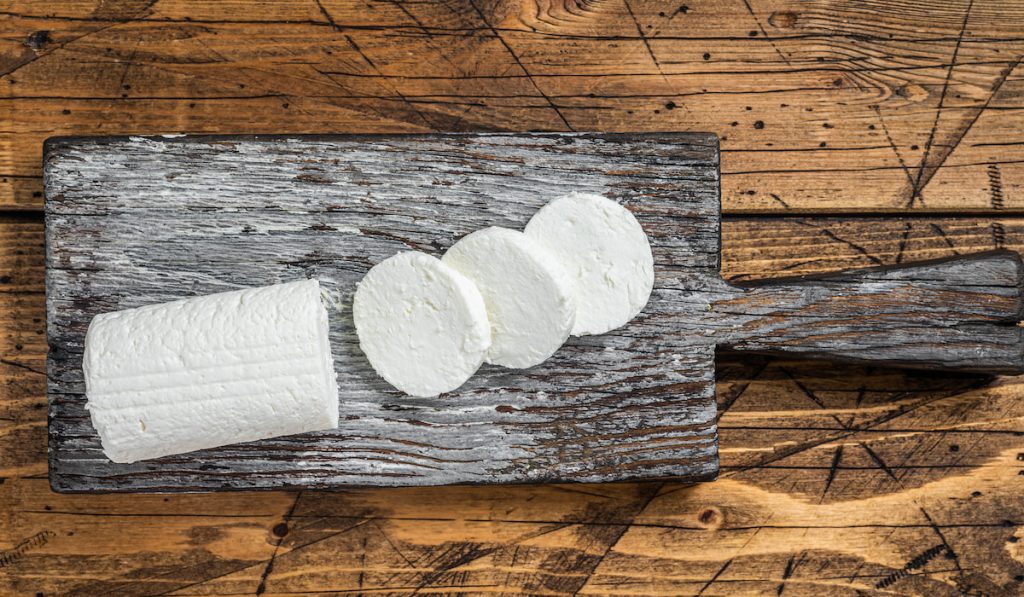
x,y
209,371
422,325
605,254
529,300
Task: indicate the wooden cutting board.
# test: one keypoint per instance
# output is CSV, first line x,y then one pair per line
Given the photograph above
x,y
134,221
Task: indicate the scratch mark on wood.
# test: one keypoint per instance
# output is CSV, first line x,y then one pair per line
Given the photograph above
x,y
61,45
995,186
327,15
262,586
205,580
998,234
880,420
554,527
362,562
919,561
771,40
515,57
400,4
879,462
942,233
948,148
423,29
359,522
856,247
919,184
24,546
643,38
714,577
950,552
729,562
570,489
862,390
791,567
21,366
127,68
454,556
833,469
727,400
327,76
394,88
811,395
903,242
394,547
892,145
779,200
800,264
617,535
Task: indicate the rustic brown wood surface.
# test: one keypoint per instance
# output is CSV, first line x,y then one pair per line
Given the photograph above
x,y
836,480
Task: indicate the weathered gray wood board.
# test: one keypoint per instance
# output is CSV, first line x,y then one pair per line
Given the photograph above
x,y
133,221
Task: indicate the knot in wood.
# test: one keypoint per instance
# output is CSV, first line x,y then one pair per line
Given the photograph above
x,y
711,518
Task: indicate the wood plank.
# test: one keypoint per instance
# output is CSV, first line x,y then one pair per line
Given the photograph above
x,y
214,213
802,503
955,314
22,348
136,221
913,112
761,248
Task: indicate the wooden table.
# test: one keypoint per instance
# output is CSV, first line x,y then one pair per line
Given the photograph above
x,y
854,133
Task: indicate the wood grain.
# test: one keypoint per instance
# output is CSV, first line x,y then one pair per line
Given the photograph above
x,y
820,105
835,480
958,313
802,507
135,221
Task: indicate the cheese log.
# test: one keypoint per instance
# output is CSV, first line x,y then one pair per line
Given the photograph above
x,y
209,371
529,300
421,324
605,254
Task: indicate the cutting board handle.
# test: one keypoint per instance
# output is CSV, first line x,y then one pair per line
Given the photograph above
x,y
953,314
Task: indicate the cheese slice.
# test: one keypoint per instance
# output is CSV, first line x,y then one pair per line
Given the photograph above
x,y
422,325
605,254
209,371
529,300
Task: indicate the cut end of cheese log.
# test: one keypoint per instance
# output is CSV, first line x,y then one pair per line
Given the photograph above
x,y
529,301
605,254
209,371
422,325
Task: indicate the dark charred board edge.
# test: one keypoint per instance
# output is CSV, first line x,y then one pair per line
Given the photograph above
x,y
849,273
59,142
957,313
684,480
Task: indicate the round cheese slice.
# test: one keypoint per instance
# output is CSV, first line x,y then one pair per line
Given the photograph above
x,y
422,325
605,254
529,300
